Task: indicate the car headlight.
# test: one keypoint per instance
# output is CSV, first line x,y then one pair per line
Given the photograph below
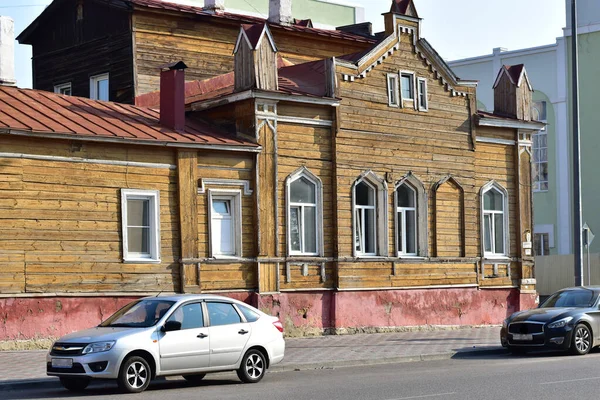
x,y
505,323
98,347
561,323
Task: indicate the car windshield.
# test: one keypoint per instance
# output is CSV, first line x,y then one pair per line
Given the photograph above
x,y
139,314
571,298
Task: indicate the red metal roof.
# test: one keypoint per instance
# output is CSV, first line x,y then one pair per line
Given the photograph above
x,y
245,19
42,113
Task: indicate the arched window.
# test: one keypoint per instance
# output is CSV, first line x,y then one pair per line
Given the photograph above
x,y
304,213
494,220
406,219
369,208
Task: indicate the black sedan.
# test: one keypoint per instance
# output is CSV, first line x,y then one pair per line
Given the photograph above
x,y
567,320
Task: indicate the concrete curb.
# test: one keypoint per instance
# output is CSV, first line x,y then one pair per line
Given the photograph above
x,y
52,382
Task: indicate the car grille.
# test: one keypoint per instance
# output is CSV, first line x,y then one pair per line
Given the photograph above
x,y
67,349
75,369
525,327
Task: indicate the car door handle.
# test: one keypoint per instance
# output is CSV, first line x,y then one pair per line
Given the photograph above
x,y
242,332
202,336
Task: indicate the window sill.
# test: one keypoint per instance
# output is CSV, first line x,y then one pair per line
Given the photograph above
x,y
226,257
141,261
496,258
410,257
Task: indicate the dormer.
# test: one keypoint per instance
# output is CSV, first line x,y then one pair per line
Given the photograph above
x,y
255,58
402,11
512,93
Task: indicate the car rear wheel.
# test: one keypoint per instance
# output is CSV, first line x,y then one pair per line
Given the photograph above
x,y
135,375
195,378
253,367
582,340
74,384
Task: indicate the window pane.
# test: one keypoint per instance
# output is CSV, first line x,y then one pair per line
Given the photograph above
x,y
400,232
189,315
499,233
138,212
302,191
487,232
222,314
222,236
407,89
365,195
411,232
295,228
406,196
102,89
392,89
138,240
310,230
358,240
369,231
492,200
422,94
221,207
249,314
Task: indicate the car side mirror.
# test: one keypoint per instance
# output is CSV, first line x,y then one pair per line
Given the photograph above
x,y
171,326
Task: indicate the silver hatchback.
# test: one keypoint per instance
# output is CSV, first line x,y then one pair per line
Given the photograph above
x,y
188,335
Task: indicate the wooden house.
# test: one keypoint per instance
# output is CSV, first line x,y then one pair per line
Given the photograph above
x,y
359,192
111,49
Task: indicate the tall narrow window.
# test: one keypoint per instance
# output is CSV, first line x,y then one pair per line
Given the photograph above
x,y
494,222
541,244
407,86
365,235
99,87
303,216
422,87
540,150
225,223
406,214
392,89
140,221
63,88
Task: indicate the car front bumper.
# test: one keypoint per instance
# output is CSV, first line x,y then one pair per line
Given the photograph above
x,y
104,365
549,339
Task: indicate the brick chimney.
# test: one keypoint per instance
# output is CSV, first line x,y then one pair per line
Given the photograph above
x,y
172,95
280,12
214,6
7,52
512,93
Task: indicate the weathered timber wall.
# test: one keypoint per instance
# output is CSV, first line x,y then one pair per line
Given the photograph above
x,y
61,221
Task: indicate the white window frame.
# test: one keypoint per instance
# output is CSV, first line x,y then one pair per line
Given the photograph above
x,y
94,85
545,251
381,203
413,99
59,88
234,196
393,90
493,185
401,247
154,237
426,106
304,172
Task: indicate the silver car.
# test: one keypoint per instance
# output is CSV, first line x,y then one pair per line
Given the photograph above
x,y
187,335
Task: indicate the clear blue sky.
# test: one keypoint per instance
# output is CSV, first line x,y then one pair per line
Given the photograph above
x,y
456,28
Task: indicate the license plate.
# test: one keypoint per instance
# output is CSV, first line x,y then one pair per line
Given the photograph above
x,y
62,363
517,336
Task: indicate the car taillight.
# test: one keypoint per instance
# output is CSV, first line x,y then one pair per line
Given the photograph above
x,y
278,325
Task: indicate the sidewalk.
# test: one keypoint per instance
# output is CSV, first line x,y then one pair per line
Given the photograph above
x,y
28,367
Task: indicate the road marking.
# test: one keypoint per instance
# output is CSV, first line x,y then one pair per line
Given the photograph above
x,y
424,396
571,380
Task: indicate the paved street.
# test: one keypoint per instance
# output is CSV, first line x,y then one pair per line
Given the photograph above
x,y
467,376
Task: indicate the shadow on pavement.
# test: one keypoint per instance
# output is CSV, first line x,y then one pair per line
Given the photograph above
x,y
482,354
54,390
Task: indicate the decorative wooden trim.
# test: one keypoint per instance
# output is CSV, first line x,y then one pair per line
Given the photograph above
x,y
463,236
422,216
495,141
224,182
236,204
469,285
381,213
304,121
498,258
515,124
88,160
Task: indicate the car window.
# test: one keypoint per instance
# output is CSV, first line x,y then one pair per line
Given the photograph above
x,y
139,314
189,315
571,298
222,314
250,315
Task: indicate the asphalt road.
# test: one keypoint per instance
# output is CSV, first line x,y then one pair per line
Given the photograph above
x,y
468,377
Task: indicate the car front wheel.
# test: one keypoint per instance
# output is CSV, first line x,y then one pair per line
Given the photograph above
x,y
582,340
74,384
253,367
135,374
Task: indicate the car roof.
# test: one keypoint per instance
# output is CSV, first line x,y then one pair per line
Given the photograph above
x,y
595,289
187,297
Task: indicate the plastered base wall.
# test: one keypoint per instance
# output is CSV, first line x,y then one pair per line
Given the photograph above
x,y
305,313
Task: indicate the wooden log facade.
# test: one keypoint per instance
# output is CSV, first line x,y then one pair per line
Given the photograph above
x,y
384,205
